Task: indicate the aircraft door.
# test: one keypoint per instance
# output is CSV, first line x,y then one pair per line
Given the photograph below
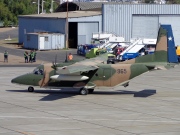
x,y
107,76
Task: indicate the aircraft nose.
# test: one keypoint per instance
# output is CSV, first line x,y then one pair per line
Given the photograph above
x,y
15,80
19,80
27,79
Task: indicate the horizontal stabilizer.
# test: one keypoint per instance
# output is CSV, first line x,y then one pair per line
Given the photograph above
x,y
159,66
155,67
125,83
69,77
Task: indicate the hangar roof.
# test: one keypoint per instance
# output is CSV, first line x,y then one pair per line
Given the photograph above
x,y
71,14
91,6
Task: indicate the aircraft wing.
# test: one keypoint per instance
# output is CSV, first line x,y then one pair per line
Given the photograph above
x,y
83,66
76,69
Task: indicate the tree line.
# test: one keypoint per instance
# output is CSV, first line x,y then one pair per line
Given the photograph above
x,y
10,9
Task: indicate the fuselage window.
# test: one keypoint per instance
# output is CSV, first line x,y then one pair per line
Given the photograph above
x,y
38,72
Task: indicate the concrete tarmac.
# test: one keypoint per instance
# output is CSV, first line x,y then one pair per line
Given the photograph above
x,y
149,106
8,32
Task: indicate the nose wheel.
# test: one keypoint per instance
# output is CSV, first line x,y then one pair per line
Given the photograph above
x,y
30,89
83,91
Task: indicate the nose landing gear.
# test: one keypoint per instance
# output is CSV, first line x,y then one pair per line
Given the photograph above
x,y
84,91
30,89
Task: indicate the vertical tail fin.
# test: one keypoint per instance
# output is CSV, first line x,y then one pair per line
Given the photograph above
x,y
171,49
165,48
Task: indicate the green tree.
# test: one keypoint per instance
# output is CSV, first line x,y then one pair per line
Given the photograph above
x,y
6,23
11,9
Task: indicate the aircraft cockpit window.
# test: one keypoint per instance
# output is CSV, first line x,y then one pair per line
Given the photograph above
x,y
38,71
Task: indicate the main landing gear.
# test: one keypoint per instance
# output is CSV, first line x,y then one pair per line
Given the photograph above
x,y
84,91
30,89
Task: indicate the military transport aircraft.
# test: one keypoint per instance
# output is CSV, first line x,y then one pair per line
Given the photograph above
x,y
90,73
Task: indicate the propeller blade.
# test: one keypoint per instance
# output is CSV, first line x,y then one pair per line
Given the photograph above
x,y
54,64
66,60
44,76
56,59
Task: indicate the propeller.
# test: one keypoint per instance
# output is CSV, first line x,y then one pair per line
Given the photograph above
x,y
66,60
54,64
44,76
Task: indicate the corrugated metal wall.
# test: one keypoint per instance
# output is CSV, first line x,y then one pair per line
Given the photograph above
x,y
145,26
44,41
85,31
30,25
35,24
58,41
31,41
55,41
87,26
97,18
118,18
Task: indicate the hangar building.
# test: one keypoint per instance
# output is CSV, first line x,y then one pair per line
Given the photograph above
x,y
140,20
127,20
84,19
81,25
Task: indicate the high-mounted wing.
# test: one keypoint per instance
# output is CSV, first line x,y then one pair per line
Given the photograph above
x,y
68,73
76,69
73,72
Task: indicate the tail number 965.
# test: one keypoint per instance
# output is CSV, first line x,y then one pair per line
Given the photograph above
x,y
121,71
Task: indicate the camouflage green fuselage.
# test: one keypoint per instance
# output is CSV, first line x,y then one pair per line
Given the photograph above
x,y
108,75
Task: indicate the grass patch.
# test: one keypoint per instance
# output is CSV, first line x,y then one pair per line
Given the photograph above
x,y
65,48
13,40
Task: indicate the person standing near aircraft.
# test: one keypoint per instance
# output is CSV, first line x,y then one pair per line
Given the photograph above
x,y
34,56
6,56
31,56
26,56
70,56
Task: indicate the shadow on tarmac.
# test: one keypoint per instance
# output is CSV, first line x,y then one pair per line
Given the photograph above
x,y
56,94
142,93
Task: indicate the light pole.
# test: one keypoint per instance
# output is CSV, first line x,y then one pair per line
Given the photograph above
x,y
42,6
38,5
51,9
67,26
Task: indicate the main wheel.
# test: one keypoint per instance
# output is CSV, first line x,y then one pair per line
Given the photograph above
x,y
91,91
30,89
83,91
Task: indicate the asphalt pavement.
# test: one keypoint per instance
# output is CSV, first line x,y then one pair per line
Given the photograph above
x,y
150,105
48,56
11,32
44,56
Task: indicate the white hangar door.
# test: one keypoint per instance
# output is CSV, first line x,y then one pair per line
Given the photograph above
x,y
85,31
174,21
145,26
